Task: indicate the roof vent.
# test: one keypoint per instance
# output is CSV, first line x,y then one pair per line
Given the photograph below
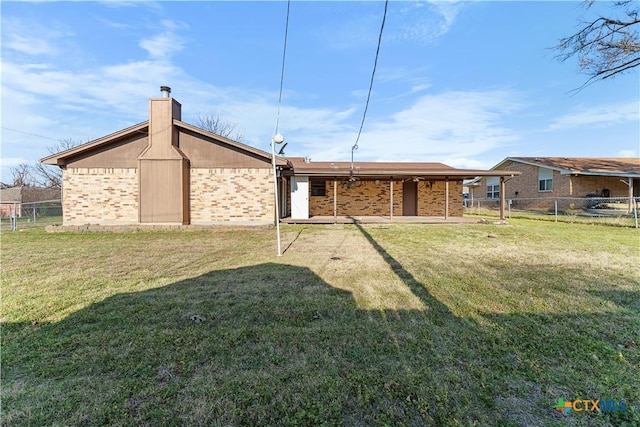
x,y
165,91
307,159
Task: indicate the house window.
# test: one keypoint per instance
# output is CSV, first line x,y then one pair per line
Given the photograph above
x,y
493,187
545,179
318,187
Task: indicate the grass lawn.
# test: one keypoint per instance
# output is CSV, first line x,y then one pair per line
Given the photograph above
x,y
354,325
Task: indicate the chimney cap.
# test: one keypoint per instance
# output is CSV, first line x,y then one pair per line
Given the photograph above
x,y
165,91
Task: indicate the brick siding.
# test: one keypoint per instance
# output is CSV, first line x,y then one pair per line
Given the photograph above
x,y
100,196
369,199
231,195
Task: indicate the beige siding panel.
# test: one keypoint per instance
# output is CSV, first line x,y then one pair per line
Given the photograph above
x,y
208,153
100,196
232,195
119,154
162,190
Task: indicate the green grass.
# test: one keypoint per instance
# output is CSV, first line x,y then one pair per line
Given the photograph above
x,y
618,219
26,222
354,325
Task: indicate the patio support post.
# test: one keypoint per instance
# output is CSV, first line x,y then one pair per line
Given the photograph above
x,y
335,200
446,198
502,197
630,194
391,198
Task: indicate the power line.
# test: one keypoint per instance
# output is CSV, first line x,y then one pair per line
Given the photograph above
x,y
33,134
284,54
373,73
279,139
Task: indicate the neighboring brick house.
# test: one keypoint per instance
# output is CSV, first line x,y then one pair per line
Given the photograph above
x,y
563,177
12,198
166,171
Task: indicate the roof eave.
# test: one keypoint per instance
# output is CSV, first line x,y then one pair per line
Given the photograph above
x,y
436,174
280,161
59,159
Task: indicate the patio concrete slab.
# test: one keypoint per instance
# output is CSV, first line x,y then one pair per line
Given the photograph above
x,y
383,220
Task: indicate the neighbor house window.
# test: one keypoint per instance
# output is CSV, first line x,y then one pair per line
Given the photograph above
x,y
545,179
318,187
493,187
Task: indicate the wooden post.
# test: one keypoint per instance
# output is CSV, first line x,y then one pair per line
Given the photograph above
x,y
335,200
502,197
446,198
391,192
630,194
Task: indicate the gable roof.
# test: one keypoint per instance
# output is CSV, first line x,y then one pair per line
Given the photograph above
x,y
27,193
426,170
61,158
11,195
624,167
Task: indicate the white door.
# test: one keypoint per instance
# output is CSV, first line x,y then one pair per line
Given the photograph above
x,y
300,197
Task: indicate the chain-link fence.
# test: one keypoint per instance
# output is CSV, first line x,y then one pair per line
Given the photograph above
x,y
21,216
620,211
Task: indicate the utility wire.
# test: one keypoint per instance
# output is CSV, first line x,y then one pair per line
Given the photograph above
x,y
373,73
284,55
33,134
273,141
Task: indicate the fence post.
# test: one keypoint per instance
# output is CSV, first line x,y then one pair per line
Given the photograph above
x,y
635,210
14,224
34,213
555,207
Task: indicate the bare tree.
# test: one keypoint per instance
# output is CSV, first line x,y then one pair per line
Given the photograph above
x,y
605,46
215,124
21,175
40,174
49,175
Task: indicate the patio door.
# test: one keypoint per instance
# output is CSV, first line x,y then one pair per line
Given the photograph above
x,y
299,197
410,198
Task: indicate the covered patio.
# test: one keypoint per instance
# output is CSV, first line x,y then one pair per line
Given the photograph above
x,y
378,192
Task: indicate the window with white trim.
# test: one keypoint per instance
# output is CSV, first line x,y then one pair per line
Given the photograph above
x,y
493,187
545,179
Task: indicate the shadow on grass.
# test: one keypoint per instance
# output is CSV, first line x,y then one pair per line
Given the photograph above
x,y
274,344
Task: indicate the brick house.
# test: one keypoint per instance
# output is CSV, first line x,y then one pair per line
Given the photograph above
x,y
563,177
13,198
166,171
378,188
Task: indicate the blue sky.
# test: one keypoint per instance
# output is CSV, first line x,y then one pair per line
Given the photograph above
x,y
463,83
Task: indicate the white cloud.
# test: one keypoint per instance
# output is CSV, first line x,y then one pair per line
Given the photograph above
x,y
627,153
422,22
415,21
25,37
166,43
452,125
599,116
